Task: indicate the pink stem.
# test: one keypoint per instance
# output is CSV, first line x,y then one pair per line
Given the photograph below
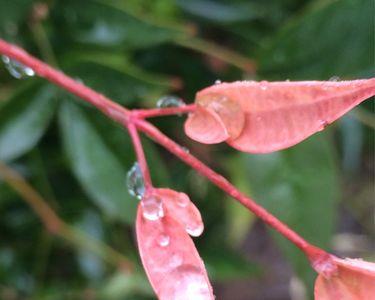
x,y
156,112
130,119
133,132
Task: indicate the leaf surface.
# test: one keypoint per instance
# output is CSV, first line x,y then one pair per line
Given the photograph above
x,y
354,280
24,119
171,261
277,114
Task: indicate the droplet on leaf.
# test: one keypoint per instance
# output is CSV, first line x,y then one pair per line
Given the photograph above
x,y
275,115
334,78
194,229
182,200
189,283
217,81
170,101
152,208
163,240
135,182
16,69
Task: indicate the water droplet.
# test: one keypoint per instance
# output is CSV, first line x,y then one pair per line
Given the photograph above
x,y
16,69
134,181
263,85
190,283
163,240
175,261
288,80
170,101
217,81
185,149
183,200
334,78
152,208
194,229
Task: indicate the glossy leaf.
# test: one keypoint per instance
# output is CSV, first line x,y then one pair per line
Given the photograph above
x,y
168,254
354,280
330,38
95,165
277,115
24,119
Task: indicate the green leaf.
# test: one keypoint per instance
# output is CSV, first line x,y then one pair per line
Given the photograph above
x,y
298,185
332,38
24,119
12,13
221,12
96,167
107,25
225,264
122,82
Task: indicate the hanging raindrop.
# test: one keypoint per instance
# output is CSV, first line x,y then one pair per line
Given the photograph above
x,y
16,69
170,101
134,181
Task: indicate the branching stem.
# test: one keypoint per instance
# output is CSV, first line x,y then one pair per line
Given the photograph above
x,y
133,120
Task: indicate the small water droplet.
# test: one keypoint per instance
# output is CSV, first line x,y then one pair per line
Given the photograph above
x,y
175,261
263,85
217,81
334,78
288,80
194,229
163,240
134,181
185,149
190,283
183,200
16,69
152,208
170,101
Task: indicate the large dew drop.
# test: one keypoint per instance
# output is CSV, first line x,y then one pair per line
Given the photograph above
x,y
190,283
170,101
152,208
16,69
134,181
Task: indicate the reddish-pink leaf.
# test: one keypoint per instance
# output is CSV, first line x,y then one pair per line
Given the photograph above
x,y
179,206
168,254
354,280
277,115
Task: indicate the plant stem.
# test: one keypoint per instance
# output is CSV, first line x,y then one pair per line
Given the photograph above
x,y
221,53
157,112
141,158
57,226
127,118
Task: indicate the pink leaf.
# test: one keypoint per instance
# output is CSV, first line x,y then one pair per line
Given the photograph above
x,y
179,206
168,254
354,280
277,115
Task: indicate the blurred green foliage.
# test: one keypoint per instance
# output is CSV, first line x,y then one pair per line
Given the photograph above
x,y
135,52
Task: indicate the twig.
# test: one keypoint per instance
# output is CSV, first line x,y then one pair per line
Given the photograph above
x,y
317,256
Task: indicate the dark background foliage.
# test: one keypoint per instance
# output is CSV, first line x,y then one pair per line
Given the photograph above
x,y
136,51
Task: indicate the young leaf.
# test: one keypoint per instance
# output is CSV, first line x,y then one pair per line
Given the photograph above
x,y
272,115
168,254
354,280
24,119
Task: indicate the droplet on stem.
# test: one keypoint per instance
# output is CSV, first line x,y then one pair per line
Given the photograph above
x,y
152,208
16,69
170,101
135,182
